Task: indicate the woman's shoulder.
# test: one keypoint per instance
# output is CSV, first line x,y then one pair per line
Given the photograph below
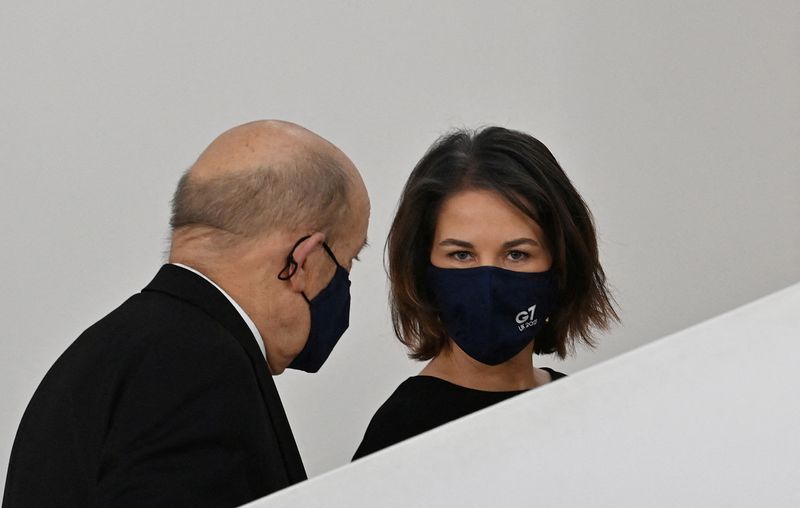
x,y
554,374
413,408
410,401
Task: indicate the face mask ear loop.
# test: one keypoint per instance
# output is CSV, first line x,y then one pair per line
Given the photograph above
x,y
330,253
291,266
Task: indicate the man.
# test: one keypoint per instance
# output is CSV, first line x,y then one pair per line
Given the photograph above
x,y
169,400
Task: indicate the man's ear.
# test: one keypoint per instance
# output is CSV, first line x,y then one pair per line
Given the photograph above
x,y
300,254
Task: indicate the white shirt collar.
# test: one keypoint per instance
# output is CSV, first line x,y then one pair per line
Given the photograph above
x,y
247,320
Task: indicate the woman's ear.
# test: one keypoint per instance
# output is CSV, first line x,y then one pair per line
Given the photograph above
x,y
300,254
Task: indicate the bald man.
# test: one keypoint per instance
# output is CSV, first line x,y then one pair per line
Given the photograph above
x,y
169,400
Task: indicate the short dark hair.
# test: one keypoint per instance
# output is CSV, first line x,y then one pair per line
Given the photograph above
x,y
313,194
523,171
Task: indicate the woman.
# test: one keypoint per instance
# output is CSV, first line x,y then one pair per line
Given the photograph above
x,y
492,258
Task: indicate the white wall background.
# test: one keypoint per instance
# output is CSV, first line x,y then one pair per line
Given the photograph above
x,y
678,121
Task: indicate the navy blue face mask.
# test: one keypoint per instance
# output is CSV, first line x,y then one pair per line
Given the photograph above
x,y
492,313
330,314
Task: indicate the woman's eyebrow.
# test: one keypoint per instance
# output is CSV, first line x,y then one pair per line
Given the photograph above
x,y
457,243
520,241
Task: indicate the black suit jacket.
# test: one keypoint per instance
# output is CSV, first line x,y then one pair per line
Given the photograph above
x,y
166,401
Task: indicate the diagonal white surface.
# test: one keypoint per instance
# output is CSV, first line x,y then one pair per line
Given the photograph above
x,y
708,416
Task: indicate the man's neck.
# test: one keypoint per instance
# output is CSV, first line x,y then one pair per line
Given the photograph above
x,y
236,304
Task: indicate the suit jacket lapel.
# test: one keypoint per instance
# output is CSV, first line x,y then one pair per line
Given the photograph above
x,y
183,284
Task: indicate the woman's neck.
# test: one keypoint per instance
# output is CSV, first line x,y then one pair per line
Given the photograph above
x,y
455,366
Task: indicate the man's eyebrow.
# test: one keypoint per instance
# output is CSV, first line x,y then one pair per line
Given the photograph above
x,y
364,245
457,243
520,241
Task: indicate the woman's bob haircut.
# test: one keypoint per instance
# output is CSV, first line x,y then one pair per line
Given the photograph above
x,y
522,170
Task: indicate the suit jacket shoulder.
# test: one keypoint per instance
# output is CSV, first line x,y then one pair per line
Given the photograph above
x,y
161,402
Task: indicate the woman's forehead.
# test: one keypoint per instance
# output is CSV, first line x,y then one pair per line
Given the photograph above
x,y
483,213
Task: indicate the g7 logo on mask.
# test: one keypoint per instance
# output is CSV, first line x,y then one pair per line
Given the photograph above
x,y
525,318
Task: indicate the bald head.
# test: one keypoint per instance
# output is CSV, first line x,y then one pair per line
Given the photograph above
x,y
266,176
263,144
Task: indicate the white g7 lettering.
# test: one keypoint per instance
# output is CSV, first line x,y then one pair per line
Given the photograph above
x,y
526,315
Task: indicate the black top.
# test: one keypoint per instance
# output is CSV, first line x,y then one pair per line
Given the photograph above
x,y
166,401
422,403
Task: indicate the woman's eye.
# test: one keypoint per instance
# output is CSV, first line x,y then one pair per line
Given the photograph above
x,y
517,255
461,255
